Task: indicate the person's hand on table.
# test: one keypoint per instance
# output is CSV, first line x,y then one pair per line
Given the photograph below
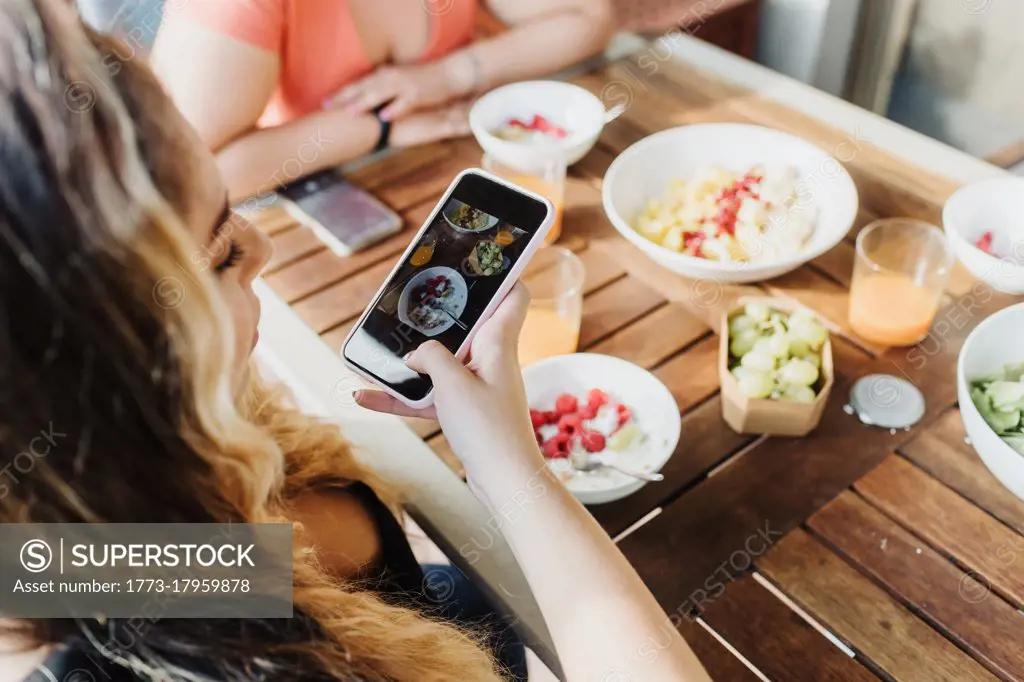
x,y
444,123
405,89
482,405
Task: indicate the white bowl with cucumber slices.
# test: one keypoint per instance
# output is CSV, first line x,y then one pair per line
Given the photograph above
x,y
990,386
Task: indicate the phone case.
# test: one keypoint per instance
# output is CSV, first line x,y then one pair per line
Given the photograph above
x,y
499,295
392,226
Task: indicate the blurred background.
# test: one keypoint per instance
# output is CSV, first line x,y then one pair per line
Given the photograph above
x,y
946,68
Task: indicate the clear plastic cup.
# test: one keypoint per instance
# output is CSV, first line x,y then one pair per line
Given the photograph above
x,y
901,269
555,279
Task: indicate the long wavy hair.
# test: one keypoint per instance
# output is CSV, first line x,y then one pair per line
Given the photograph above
x,y
93,183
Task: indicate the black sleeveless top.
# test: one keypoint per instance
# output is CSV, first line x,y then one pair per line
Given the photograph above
x,y
397,578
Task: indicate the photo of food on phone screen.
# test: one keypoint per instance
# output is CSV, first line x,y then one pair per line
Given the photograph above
x,y
440,291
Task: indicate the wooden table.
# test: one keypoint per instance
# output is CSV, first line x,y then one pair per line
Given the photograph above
x,y
852,554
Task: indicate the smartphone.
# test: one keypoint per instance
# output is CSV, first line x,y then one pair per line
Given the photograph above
x,y
343,216
456,271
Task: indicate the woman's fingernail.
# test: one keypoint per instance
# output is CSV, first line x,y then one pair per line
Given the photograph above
x,y
385,115
407,356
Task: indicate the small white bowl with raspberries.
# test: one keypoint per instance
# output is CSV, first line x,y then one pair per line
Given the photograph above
x,y
598,405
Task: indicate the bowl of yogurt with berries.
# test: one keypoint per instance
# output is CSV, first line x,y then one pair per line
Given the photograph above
x,y
514,121
593,405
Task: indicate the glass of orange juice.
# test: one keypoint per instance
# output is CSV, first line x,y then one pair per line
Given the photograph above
x,y
555,279
902,267
543,173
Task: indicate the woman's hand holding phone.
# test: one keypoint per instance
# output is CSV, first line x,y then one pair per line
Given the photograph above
x,y
481,405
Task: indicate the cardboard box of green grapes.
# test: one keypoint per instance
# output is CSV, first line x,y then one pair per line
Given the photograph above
x,y
775,367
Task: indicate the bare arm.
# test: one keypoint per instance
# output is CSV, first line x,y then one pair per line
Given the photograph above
x,y
222,86
606,624
544,36
603,618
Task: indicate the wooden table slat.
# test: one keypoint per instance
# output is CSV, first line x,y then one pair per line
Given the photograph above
x,y
653,338
614,307
705,442
394,166
324,267
692,376
776,639
953,601
941,450
292,245
949,523
429,181
341,302
861,614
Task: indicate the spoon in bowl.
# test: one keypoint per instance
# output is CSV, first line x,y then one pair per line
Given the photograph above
x,y
582,460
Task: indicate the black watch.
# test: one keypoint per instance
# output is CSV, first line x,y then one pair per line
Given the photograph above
x,y
385,129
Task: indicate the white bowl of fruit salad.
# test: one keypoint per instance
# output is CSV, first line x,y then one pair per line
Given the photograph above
x,y
984,223
599,404
729,202
513,121
990,387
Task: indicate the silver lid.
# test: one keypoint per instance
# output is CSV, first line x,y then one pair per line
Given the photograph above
x,y
887,401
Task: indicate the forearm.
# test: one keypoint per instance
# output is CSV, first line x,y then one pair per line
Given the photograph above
x,y
263,160
600,614
538,48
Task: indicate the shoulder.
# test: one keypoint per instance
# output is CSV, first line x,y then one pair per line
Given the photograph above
x,y
260,23
340,525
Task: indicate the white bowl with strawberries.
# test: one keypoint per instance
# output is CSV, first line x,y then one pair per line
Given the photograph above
x,y
603,407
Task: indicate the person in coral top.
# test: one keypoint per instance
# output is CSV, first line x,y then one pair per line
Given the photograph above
x,y
260,79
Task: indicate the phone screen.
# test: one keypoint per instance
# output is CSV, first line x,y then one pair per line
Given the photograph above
x,y
446,280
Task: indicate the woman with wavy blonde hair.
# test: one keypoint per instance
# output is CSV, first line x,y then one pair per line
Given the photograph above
x,y
105,195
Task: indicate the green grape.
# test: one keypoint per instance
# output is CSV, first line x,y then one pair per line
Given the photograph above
x,y
798,372
758,360
799,347
804,328
799,394
755,385
778,344
740,324
811,357
743,343
759,312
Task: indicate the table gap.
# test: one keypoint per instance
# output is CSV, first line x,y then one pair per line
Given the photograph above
x,y
859,655
730,648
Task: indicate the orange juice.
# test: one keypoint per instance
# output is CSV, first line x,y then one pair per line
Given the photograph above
x,y
422,255
547,189
546,333
503,238
891,309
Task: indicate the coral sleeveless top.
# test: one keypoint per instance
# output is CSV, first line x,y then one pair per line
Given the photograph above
x,y
317,42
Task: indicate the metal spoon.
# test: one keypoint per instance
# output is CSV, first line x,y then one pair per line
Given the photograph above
x,y
457,321
582,460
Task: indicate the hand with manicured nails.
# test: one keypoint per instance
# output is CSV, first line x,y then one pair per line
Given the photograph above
x,y
481,405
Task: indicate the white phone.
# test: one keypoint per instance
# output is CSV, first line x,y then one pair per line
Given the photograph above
x,y
343,216
455,273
